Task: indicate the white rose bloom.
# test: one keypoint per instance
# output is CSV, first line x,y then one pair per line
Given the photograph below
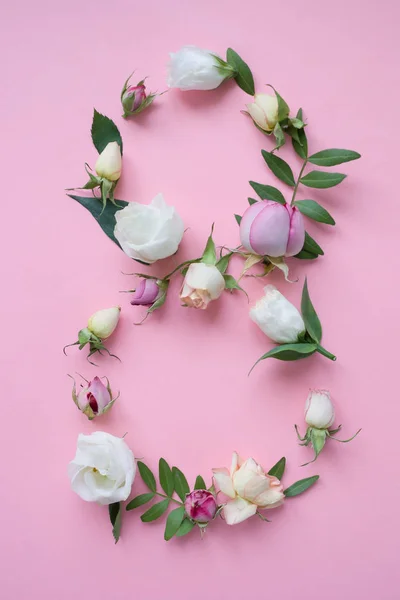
x,y
193,68
319,410
149,232
109,163
202,284
103,322
103,469
277,317
264,111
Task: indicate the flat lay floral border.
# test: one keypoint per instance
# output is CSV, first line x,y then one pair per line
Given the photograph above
x,y
271,229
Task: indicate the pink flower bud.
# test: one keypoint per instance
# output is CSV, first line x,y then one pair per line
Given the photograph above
x,y
94,399
146,293
133,97
201,506
272,229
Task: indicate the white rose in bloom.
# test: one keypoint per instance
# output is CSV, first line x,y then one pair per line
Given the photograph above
x,y
264,111
149,232
109,163
319,411
103,322
193,68
202,284
103,469
277,317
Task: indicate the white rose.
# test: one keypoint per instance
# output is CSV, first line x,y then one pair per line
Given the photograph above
x,y
103,469
277,317
109,163
193,68
264,111
202,284
103,322
149,232
319,410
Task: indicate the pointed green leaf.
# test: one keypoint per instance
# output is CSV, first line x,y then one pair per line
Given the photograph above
x,y
104,131
174,521
251,201
332,157
322,179
200,483
180,483
300,486
297,123
155,511
166,477
278,469
299,141
318,437
232,284
310,245
279,136
289,352
311,320
243,76
314,211
140,500
283,108
105,219
279,167
223,262
209,255
185,528
147,476
268,192
304,255
238,219
114,510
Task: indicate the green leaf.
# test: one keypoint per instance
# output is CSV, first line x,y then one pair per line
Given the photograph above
x,y
105,219
278,469
297,123
243,76
251,201
283,108
180,483
185,528
209,255
238,219
300,486
174,521
140,500
155,511
279,167
147,476
232,284
310,245
304,255
314,211
279,136
332,157
166,477
200,484
300,144
268,192
223,262
104,131
114,510
299,114
318,437
322,179
311,320
288,352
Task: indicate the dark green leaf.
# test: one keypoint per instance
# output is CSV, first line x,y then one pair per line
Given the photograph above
x,y
322,179
104,131
243,76
155,511
278,469
174,521
289,352
304,255
209,255
147,476
279,136
238,219
180,483
166,477
300,486
279,167
105,219
251,201
283,108
311,320
299,142
114,510
299,114
200,483
223,262
314,211
140,500
332,157
268,192
311,246
185,528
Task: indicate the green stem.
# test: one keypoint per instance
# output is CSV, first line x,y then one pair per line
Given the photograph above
x,y
324,352
298,180
169,498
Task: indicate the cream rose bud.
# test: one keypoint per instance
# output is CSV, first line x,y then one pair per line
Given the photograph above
x,y
103,469
149,232
109,163
202,284
277,317
264,111
103,322
319,410
193,68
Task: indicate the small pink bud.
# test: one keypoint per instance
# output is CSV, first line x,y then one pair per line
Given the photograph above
x,y
133,97
94,399
146,293
201,506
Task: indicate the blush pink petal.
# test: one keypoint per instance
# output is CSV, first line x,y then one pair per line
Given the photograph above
x,y
296,233
238,510
269,232
100,393
224,482
246,223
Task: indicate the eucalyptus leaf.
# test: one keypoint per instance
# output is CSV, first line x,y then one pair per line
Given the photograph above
x,y
155,511
114,510
209,255
147,476
243,76
278,469
311,246
140,500
180,483
300,486
166,477
106,217
200,484
289,352
314,211
322,179
310,317
185,528
268,192
279,167
174,521
104,131
332,157
238,219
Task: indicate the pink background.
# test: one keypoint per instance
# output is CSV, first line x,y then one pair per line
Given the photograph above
x,y
185,394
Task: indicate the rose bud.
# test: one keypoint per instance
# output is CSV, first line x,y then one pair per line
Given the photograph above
x,y
264,111
202,284
103,322
201,506
193,68
271,229
94,399
146,293
277,317
109,163
133,97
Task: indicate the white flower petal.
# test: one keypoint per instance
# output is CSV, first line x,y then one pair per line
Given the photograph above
x,y
224,482
238,510
277,317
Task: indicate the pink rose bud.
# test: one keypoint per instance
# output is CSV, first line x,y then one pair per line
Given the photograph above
x,y
146,293
133,97
94,399
201,506
272,229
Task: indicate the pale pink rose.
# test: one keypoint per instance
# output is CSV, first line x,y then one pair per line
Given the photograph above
x,y
249,489
202,284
